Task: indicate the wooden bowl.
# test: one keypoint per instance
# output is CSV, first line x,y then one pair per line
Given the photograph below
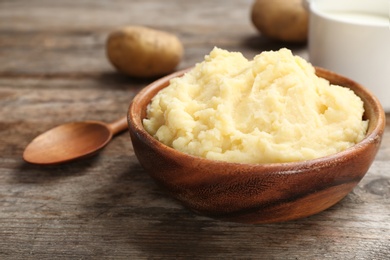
x,y
256,193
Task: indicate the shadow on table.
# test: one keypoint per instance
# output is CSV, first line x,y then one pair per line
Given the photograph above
x,y
30,173
143,219
120,81
258,42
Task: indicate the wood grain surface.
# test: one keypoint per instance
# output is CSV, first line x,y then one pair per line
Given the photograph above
x,y
53,70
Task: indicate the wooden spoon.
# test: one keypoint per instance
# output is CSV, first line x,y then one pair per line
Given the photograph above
x,y
71,141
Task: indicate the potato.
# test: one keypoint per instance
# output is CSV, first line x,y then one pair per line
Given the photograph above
x,y
283,20
143,52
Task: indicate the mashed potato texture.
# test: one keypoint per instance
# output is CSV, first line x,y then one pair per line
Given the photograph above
x,y
266,110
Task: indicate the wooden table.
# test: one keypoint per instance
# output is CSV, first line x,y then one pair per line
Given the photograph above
x,y
53,70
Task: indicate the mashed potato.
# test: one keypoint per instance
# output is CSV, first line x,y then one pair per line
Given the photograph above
x,y
270,109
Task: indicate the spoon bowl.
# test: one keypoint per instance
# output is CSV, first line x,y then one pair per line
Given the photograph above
x,y
72,141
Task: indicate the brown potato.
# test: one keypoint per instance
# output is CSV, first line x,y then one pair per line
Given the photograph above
x,y
143,52
283,20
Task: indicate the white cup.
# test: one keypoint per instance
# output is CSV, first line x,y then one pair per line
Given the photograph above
x,y
352,38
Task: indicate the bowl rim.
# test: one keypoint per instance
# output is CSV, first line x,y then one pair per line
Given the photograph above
x,y
373,135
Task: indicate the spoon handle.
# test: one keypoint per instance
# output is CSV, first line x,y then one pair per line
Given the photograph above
x,y
118,126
